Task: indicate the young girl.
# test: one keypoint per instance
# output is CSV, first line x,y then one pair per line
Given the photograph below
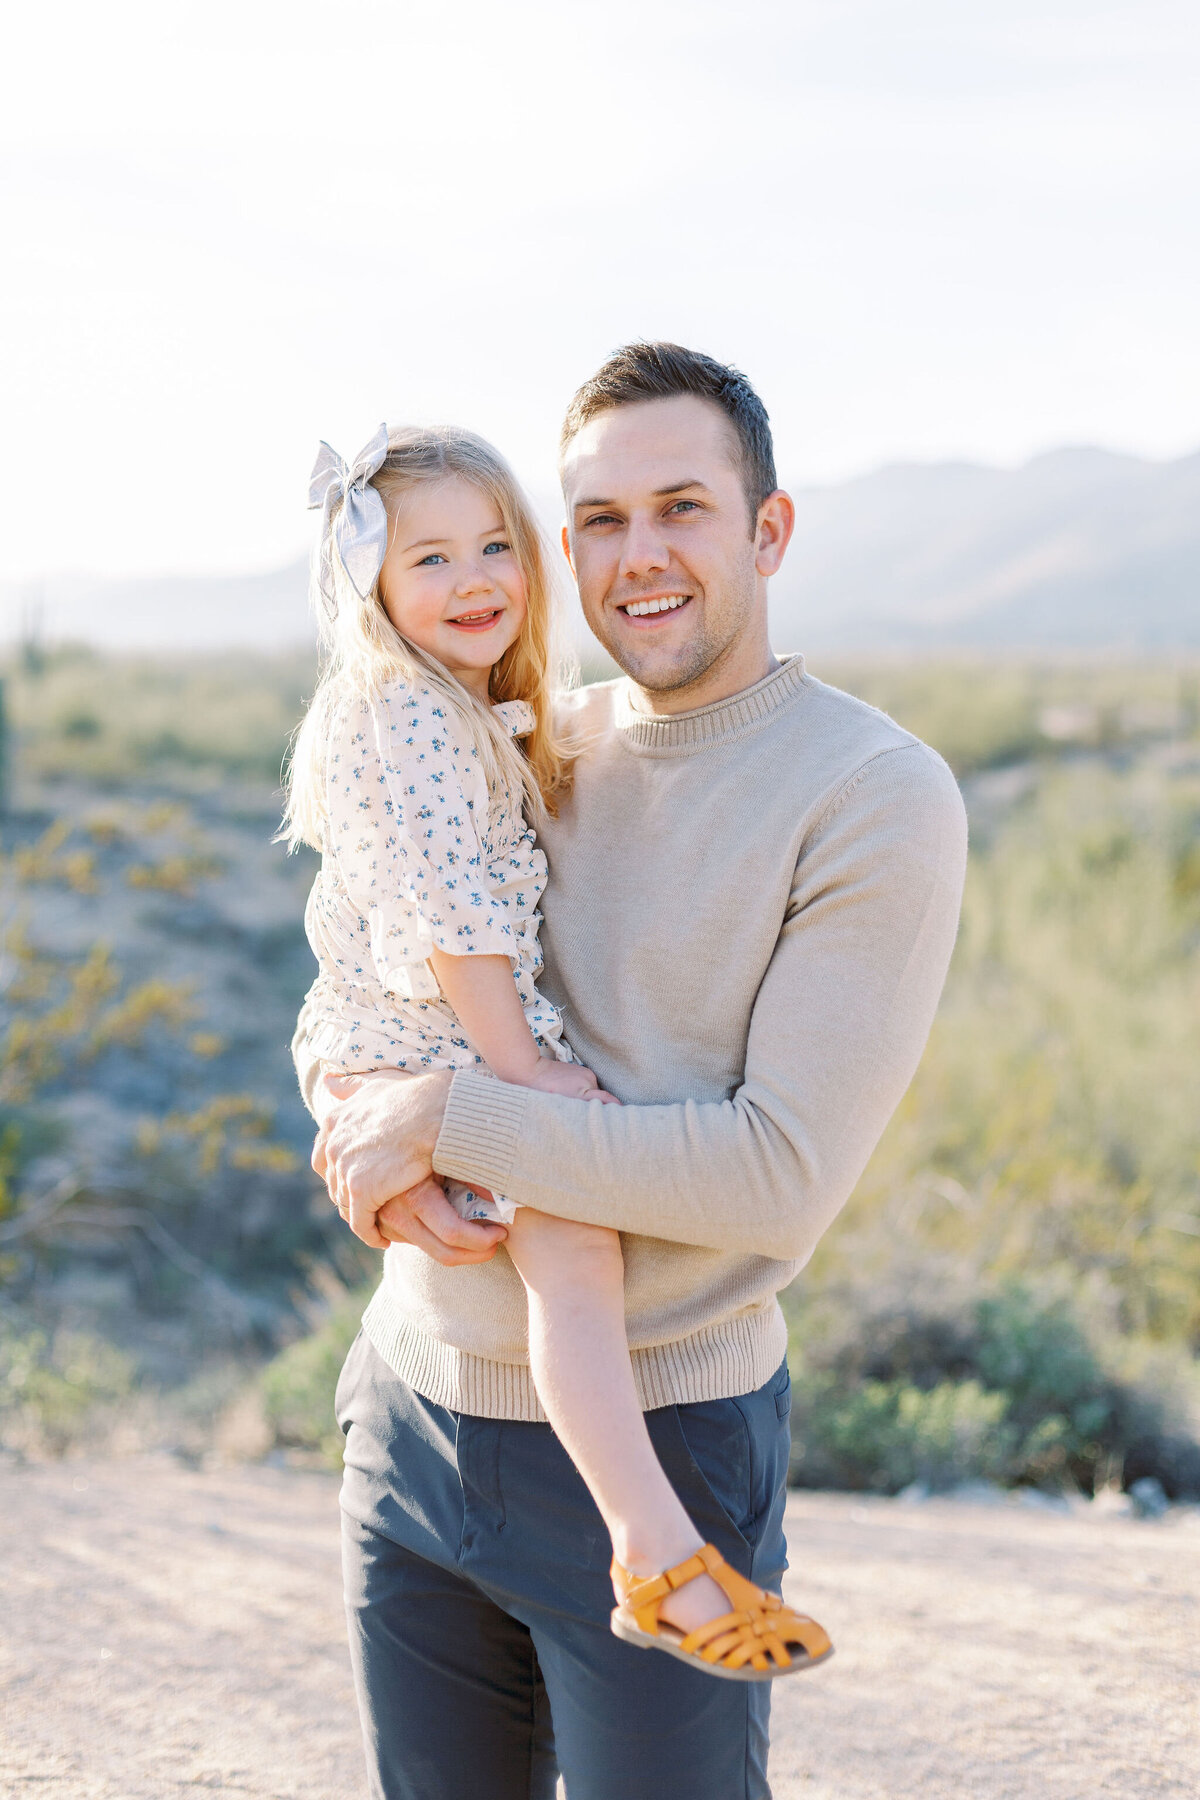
x,y
432,726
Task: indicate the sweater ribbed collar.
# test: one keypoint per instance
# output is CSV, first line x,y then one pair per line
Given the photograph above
x,y
714,724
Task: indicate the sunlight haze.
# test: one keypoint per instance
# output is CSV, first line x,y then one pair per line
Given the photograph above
x,y
926,232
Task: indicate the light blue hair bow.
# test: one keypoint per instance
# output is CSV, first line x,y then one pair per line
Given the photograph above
x,y
362,528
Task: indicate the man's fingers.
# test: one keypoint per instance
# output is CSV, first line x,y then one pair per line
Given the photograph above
x,y
424,1218
361,1221
342,1086
318,1159
337,1187
430,1205
410,1230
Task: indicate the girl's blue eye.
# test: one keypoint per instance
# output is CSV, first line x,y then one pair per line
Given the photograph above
x,y
435,556
495,547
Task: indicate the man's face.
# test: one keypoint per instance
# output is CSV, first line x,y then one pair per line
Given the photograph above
x,y
661,539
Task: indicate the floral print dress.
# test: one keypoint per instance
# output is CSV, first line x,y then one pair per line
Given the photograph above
x,y
416,856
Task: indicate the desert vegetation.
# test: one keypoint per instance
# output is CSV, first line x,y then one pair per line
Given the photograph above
x,y
1013,1293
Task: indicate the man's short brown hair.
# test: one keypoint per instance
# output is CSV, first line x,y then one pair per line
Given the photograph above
x,y
638,372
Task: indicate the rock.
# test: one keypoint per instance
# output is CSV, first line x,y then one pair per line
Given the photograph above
x,y
1045,1502
1172,1459
914,1493
1110,1503
978,1493
1148,1497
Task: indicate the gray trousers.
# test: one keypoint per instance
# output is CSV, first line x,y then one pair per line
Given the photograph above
x,y
478,1598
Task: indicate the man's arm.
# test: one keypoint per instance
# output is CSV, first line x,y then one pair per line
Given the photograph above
x,y
389,1109
837,1031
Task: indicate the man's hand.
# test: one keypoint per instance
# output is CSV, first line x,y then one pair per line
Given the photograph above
x,y
376,1146
425,1218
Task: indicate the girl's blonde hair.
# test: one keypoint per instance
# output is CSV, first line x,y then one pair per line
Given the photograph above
x,y
361,648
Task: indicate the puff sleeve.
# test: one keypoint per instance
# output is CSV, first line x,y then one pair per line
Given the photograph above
x,y
408,816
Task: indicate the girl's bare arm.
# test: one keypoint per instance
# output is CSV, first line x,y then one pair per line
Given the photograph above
x,y
483,993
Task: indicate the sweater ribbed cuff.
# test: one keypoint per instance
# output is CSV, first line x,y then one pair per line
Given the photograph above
x,y
478,1139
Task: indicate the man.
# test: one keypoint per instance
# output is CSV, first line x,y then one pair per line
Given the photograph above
x,y
753,897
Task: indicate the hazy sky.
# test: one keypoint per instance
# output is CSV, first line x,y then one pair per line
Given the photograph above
x,y
926,228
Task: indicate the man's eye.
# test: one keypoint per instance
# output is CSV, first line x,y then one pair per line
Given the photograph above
x,y
495,547
683,506
601,519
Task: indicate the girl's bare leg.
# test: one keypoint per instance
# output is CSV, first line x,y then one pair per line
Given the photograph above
x,y
574,1277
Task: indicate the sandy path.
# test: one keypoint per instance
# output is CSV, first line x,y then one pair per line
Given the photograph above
x,y
164,1632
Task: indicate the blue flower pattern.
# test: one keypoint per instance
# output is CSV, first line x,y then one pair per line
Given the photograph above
x,y
407,865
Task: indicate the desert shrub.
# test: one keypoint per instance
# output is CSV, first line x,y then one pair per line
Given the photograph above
x,y
200,1194
298,1386
981,713
1051,1129
934,1381
52,1387
885,1434
1030,1222
1052,1124
1008,1385
112,720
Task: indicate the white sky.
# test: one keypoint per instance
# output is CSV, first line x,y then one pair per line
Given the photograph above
x,y
926,228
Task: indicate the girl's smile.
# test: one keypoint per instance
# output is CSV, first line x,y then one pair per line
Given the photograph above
x,y
477,621
450,582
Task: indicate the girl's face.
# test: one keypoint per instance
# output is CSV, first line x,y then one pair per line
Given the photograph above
x,y
450,581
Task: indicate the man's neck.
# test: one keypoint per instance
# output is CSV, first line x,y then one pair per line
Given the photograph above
x,y
739,667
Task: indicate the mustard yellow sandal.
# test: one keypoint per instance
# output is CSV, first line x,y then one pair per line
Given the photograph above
x,y
757,1640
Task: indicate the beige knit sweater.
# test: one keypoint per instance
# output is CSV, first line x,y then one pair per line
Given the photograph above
x,y
750,913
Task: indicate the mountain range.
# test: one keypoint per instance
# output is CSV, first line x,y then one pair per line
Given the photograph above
x,y
1078,548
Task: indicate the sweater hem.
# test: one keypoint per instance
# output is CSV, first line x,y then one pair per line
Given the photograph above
x,y
717,1362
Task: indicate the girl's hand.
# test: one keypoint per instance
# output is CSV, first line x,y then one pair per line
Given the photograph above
x,y
570,1079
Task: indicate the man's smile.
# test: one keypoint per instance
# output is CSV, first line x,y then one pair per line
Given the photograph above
x,y
654,609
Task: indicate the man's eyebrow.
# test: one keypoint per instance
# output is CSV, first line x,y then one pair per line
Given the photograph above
x,y
662,493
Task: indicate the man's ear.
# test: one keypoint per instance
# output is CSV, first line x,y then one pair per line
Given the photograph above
x,y
776,522
566,544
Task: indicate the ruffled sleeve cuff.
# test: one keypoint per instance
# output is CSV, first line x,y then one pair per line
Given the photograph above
x,y
460,921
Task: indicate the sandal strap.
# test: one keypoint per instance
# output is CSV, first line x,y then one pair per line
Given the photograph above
x,y
728,1625
759,1625
649,1588
639,1591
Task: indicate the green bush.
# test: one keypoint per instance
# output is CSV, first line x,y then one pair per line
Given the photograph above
x,y
298,1386
113,720
981,712
1052,1124
886,1434
53,1388
1010,1385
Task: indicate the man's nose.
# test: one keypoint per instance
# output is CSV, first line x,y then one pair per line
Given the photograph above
x,y
644,551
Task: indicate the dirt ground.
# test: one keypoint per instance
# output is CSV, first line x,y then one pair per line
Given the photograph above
x,y
165,1631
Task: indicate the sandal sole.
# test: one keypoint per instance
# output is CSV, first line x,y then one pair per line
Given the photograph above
x,y
631,1633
